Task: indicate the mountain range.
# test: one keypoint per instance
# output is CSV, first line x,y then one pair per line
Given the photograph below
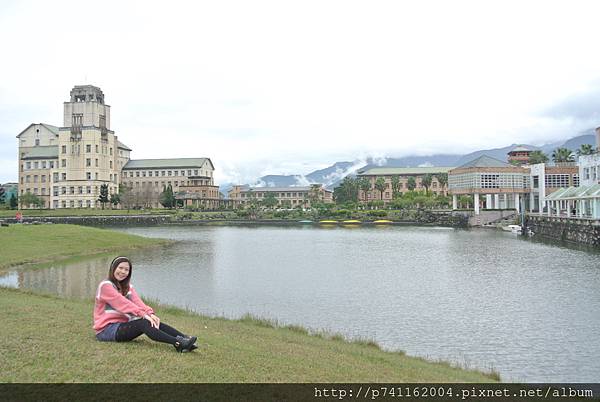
x,y
331,176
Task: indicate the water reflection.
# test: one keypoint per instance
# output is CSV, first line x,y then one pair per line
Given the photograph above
x,y
76,279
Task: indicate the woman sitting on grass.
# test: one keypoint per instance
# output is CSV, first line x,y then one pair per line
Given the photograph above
x,y
121,316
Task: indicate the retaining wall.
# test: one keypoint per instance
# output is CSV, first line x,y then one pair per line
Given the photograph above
x,y
581,231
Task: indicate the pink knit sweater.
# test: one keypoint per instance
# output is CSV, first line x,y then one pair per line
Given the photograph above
x,y
111,306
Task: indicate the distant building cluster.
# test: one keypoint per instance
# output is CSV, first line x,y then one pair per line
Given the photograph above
x,y
563,189
290,197
65,167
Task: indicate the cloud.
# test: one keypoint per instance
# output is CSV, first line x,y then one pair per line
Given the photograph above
x,y
583,106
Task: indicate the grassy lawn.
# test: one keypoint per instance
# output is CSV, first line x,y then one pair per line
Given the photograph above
x,y
22,244
48,339
7,213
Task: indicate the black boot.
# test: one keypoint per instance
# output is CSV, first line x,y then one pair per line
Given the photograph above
x,y
184,344
193,347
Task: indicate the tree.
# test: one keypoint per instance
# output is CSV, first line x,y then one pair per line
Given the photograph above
x,y
270,201
365,185
314,194
465,201
537,157
115,199
167,199
103,198
14,201
380,186
562,155
347,191
426,182
395,186
411,183
585,149
442,178
2,195
31,199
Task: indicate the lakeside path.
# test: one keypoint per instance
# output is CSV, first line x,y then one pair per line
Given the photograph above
x,y
55,343
23,244
50,339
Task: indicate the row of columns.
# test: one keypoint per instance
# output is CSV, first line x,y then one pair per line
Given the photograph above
x,y
589,208
492,201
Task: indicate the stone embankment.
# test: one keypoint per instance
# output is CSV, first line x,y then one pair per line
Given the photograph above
x,y
580,231
97,220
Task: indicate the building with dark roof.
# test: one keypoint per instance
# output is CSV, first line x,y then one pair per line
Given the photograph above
x,y
495,184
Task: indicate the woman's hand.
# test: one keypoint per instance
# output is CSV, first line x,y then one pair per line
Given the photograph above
x,y
156,320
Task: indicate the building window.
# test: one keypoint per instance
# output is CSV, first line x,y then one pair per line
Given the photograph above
x,y
63,190
110,151
96,148
37,142
183,172
137,173
96,162
195,172
64,176
110,164
88,189
150,173
88,175
27,179
63,163
80,190
144,173
88,162
43,164
64,149
88,148
43,177
28,165
51,164
55,191
96,175
189,172
35,178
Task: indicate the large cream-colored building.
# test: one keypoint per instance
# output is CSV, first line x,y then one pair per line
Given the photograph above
x,y
190,179
66,166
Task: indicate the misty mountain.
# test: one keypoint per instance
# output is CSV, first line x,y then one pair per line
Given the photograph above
x,y
331,176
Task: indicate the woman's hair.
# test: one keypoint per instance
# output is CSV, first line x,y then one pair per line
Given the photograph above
x,y
122,286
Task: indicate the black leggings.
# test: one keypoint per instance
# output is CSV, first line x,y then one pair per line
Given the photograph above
x,y
132,329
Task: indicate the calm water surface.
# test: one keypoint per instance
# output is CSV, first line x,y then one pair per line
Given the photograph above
x,y
482,298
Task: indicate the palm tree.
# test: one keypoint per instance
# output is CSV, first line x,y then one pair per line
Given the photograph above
x,y
426,182
562,155
365,186
411,183
585,149
380,186
537,157
442,178
395,186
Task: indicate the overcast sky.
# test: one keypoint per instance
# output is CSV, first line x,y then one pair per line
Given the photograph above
x,y
288,87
